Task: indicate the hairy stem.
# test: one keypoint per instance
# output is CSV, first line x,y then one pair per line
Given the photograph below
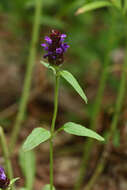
x,y
119,104
53,128
6,154
28,75
96,109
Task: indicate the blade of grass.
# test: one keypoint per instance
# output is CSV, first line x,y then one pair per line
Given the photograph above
x,y
28,76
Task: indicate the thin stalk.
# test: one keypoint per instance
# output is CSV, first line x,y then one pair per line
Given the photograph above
x,y
53,128
28,75
96,110
6,154
119,104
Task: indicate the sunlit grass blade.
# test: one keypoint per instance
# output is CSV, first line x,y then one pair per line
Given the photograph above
x,y
93,6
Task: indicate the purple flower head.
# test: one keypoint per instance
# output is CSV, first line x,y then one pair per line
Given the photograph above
x,y
4,181
55,47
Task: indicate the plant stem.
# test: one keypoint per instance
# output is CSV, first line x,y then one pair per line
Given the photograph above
x,y
28,75
53,128
6,154
96,109
119,103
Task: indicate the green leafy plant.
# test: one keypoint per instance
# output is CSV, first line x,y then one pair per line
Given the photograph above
x,y
55,49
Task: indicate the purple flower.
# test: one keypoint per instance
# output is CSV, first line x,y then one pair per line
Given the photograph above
x,y
4,181
55,47
59,50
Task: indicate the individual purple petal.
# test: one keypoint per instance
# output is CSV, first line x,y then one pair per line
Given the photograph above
x,y
65,46
48,40
43,45
59,50
63,35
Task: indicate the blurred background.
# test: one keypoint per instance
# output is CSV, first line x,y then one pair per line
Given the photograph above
x,y
88,36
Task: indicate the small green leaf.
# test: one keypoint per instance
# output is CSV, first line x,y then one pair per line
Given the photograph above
x,y
27,163
37,136
14,180
92,6
47,187
47,65
79,130
74,83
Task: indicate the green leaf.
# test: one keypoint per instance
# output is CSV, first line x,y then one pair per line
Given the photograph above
x,y
47,65
14,180
92,6
79,130
37,136
47,187
27,163
74,83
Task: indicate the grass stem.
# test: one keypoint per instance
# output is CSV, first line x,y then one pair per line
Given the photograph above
x,y
53,128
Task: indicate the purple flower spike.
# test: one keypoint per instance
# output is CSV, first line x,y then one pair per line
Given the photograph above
x,y
4,181
55,47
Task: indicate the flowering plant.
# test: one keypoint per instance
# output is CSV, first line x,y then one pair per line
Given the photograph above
x,y
55,48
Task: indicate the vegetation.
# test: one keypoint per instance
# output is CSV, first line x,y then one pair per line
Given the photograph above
x,y
95,53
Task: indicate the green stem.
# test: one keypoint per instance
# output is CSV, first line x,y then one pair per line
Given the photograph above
x,y
119,103
28,75
96,109
53,128
6,154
